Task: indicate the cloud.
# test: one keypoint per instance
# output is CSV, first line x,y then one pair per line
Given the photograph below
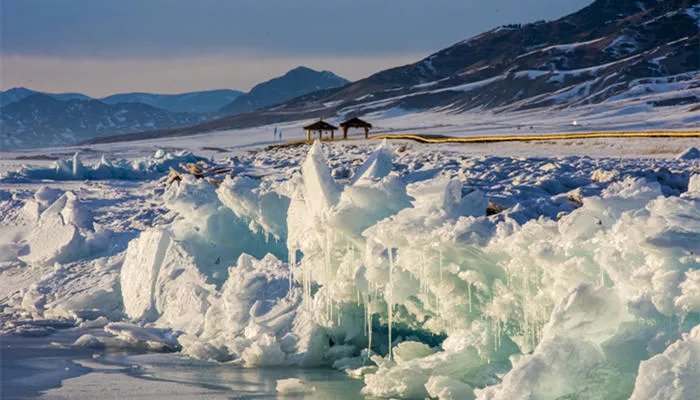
x,y
99,77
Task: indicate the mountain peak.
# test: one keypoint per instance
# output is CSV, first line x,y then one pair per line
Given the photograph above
x,y
296,82
302,68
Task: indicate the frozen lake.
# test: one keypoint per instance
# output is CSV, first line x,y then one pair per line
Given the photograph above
x,y
463,271
47,368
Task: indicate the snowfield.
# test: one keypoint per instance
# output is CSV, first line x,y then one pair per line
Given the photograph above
x,y
424,271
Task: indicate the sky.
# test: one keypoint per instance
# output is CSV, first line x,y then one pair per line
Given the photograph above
x,y
101,47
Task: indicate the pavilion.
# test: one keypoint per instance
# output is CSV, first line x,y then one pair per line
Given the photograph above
x,y
319,126
355,123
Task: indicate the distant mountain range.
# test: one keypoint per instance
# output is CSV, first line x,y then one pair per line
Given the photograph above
x,y
195,102
207,101
42,121
35,119
607,51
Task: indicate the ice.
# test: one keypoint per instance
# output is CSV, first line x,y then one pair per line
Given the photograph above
x,y
320,188
265,209
690,153
293,386
249,317
63,231
140,272
73,169
673,374
583,282
161,281
444,388
127,336
377,166
694,185
407,351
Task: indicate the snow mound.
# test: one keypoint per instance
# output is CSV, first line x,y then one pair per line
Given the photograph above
x,y
63,231
689,154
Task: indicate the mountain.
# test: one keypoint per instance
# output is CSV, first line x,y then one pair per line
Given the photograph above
x,y
294,83
195,102
19,93
608,51
34,119
41,121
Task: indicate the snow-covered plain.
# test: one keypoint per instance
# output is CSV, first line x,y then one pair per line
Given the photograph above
x,y
491,271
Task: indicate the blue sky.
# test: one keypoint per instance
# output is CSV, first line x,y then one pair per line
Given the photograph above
x,y
101,47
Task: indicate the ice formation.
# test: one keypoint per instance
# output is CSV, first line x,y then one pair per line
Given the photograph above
x,y
293,386
62,229
74,169
583,283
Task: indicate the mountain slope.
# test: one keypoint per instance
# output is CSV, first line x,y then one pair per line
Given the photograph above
x,y
607,51
195,102
294,83
42,121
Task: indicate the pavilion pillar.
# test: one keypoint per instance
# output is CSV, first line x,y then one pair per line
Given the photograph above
x,y
332,134
345,132
366,132
308,135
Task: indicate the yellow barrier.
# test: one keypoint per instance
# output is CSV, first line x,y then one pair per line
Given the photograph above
x,y
510,138
522,138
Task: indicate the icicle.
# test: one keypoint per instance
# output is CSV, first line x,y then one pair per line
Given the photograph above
x,y
292,265
390,304
369,327
469,293
327,274
365,308
437,295
440,255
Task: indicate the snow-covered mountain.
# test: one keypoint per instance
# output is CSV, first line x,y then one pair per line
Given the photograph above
x,y
197,102
647,51
41,121
297,82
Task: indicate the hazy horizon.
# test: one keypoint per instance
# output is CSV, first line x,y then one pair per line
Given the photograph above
x,y
174,46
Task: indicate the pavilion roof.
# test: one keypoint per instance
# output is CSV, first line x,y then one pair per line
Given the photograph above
x,y
355,123
320,125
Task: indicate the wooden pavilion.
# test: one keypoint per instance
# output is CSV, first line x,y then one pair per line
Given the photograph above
x,y
319,126
355,123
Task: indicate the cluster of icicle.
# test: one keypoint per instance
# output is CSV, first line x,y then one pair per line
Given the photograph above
x,y
412,287
509,297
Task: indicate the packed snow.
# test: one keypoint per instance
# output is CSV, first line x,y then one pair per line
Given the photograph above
x,y
422,271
